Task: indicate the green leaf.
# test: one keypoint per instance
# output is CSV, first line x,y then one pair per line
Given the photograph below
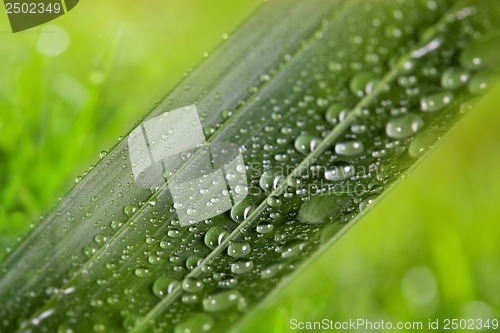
x,y
330,103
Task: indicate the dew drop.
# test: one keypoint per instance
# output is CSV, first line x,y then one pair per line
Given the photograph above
x,y
241,211
227,113
270,180
404,126
292,249
193,261
142,272
174,233
197,323
481,82
208,131
392,31
436,102
271,271
468,104
115,225
264,227
228,283
238,249
100,239
336,113
165,244
340,171
164,285
274,201
192,285
306,143
189,299
215,236
99,328
129,210
334,66
454,79
242,267
482,54
89,251
323,208
407,81
422,142
359,128
154,260
222,301
363,83
367,202
241,189
349,148
407,65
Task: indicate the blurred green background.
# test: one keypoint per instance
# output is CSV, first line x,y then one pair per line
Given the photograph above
x,y
430,249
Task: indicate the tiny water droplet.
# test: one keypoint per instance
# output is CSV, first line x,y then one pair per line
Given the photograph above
x,y
208,131
422,142
115,225
306,143
271,271
222,301
241,211
100,239
270,180
482,81
482,53
363,83
293,249
174,233
215,236
142,272
349,148
274,201
192,285
264,227
454,79
404,126
334,66
436,102
336,113
238,249
190,299
164,286
367,202
196,323
193,261
129,210
241,189
242,267
340,171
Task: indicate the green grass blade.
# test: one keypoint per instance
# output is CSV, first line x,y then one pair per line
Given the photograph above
x,y
330,102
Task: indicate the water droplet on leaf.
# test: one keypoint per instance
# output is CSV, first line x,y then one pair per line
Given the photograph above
x,y
436,102
404,126
222,301
349,148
